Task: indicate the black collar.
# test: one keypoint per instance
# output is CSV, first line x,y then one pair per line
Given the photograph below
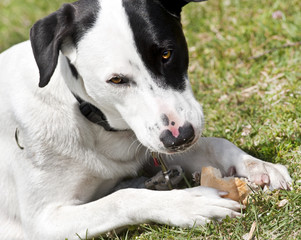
x,y
93,114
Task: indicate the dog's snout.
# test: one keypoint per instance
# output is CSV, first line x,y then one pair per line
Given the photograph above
x,y
181,141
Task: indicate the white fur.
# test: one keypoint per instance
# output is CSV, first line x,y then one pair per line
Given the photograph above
x,y
58,185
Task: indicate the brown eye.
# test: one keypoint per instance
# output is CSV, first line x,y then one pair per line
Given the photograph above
x,y
116,80
166,55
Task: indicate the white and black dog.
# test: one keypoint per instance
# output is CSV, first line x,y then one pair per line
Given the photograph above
x,y
117,89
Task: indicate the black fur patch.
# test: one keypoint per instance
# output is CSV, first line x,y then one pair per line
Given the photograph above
x,y
73,69
156,30
86,17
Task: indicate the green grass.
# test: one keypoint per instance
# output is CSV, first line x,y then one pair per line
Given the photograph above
x,y
252,101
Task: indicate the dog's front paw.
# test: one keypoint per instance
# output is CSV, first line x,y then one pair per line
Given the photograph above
x,y
199,205
275,176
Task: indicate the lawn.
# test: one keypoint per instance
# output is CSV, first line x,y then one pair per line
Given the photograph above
x,y
245,59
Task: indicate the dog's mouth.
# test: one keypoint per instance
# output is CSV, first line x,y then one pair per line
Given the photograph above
x,y
180,149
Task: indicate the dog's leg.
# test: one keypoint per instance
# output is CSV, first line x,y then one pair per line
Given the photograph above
x,y
185,208
231,160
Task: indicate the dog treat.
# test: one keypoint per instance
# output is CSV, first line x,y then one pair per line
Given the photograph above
x,y
238,188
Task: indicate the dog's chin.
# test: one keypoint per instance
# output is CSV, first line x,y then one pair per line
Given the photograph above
x,y
174,150
179,150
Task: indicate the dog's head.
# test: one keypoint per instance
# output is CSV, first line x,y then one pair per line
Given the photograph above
x,y
129,58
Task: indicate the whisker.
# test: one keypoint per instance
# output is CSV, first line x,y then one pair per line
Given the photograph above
x,y
147,153
138,148
132,144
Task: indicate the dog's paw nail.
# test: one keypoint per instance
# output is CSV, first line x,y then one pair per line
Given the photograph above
x,y
285,185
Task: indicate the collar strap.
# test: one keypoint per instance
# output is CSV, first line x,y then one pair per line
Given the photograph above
x,y
93,114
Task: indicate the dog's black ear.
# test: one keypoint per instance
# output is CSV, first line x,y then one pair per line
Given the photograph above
x,y
175,6
46,37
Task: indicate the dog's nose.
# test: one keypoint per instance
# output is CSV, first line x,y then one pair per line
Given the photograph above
x,y
183,139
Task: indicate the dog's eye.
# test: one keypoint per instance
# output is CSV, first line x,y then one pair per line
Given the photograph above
x,y
166,55
118,80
